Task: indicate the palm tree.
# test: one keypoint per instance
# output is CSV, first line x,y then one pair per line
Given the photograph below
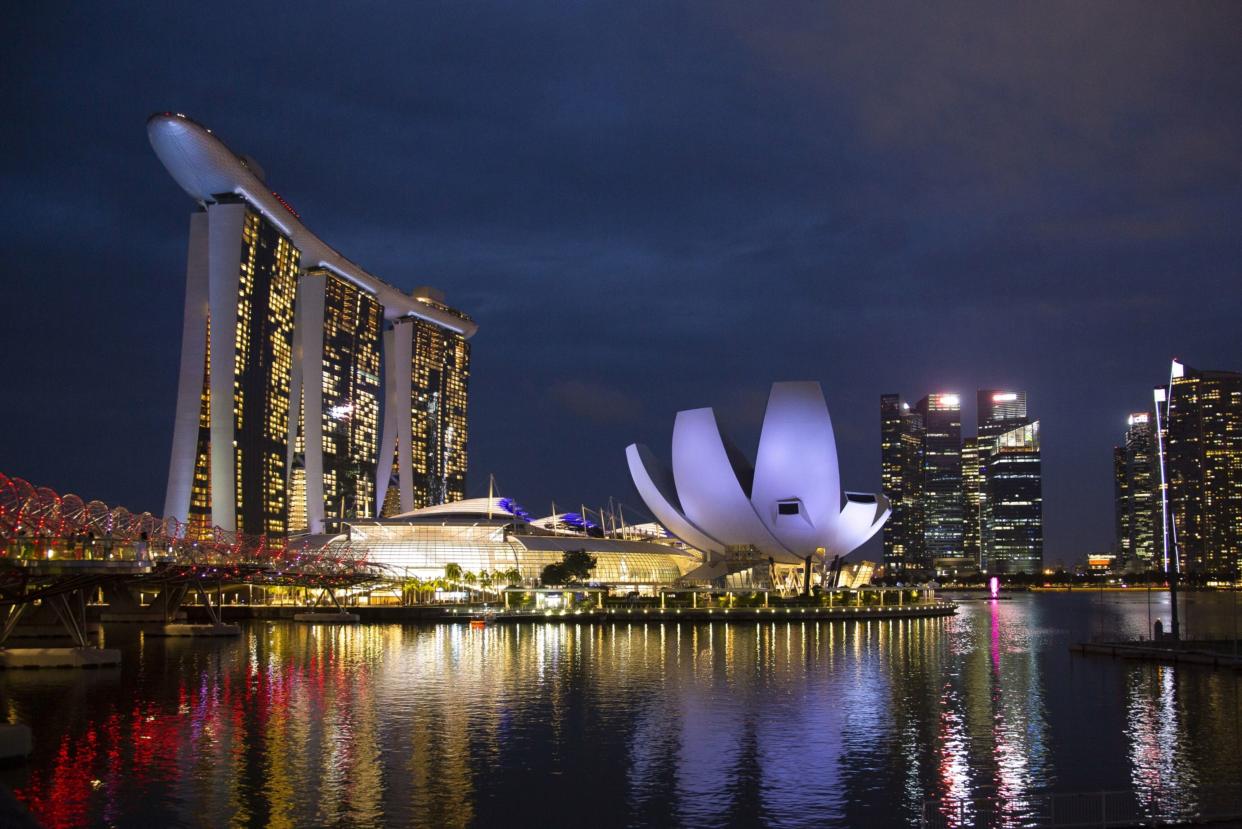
x,y
452,572
485,580
413,585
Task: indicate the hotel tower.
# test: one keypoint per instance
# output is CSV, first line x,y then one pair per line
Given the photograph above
x,y
310,391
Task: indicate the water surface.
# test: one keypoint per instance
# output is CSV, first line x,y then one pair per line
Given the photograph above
x,y
781,724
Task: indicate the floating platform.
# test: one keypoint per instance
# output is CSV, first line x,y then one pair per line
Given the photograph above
x,y
340,618
11,658
222,629
1176,653
16,742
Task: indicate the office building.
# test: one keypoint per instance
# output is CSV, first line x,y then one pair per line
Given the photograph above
x,y
901,454
943,499
1012,532
1136,489
975,504
276,405
1121,505
1200,417
972,497
1010,469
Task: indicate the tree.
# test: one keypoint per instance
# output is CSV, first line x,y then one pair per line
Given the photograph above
x,y
553,574
575,565
452,571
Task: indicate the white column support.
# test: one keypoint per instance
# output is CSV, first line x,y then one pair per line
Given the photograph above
x,y
311,299
388,430
224,233
403,359
190,380
295,379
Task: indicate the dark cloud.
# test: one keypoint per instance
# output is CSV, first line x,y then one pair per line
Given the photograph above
x,y
648,207
596,402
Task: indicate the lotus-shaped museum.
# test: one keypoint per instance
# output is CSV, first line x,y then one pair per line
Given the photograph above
x,y
788,506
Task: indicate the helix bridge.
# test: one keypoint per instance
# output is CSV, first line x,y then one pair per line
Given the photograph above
x,y
59,550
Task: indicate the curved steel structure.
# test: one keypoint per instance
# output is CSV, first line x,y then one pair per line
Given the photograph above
x,y
788,506
206,168
38,524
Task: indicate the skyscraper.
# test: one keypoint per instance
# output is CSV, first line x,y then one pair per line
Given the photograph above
x,y
943,500
228,462
1010,469
972,497
1137,492
1121,505
439,381
337,387
1012,510
1201,417
977,502
274,405
901,452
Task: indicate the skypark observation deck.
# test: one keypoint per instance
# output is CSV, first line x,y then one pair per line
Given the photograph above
x,y
206,169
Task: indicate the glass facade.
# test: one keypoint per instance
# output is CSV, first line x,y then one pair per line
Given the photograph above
x,y
940,485
263,367
901,451
1121,505
972,497
439,386
943,501
198,521
259,397
350,392
1012,524
1203,464
424,550
1137,492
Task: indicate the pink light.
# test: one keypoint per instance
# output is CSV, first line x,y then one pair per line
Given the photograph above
x,y
994,586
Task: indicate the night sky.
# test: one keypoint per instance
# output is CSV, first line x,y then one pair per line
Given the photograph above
x,y
647,207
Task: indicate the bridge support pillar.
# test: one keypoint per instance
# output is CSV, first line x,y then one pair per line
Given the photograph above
x,y
124,606
70,609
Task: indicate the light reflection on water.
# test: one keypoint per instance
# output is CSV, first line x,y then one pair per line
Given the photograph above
x,y
783,724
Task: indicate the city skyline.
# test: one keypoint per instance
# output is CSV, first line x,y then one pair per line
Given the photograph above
x,y
608,296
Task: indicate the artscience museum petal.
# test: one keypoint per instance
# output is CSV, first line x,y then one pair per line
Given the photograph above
x,y
786,508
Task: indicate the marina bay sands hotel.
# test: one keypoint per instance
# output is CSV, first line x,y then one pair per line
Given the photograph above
x,y
281,387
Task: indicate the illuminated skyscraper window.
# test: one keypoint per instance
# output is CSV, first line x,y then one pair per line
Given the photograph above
x,y
1202,440
1012,532
943,500
439,429
1137,492
901,452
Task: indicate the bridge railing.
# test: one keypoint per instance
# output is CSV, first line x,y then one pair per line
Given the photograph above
x,y
37,523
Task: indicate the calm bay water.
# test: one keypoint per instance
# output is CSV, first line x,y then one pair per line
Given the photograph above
x,y
782,724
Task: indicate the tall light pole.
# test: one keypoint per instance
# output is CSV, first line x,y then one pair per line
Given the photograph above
x,y
1171,565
